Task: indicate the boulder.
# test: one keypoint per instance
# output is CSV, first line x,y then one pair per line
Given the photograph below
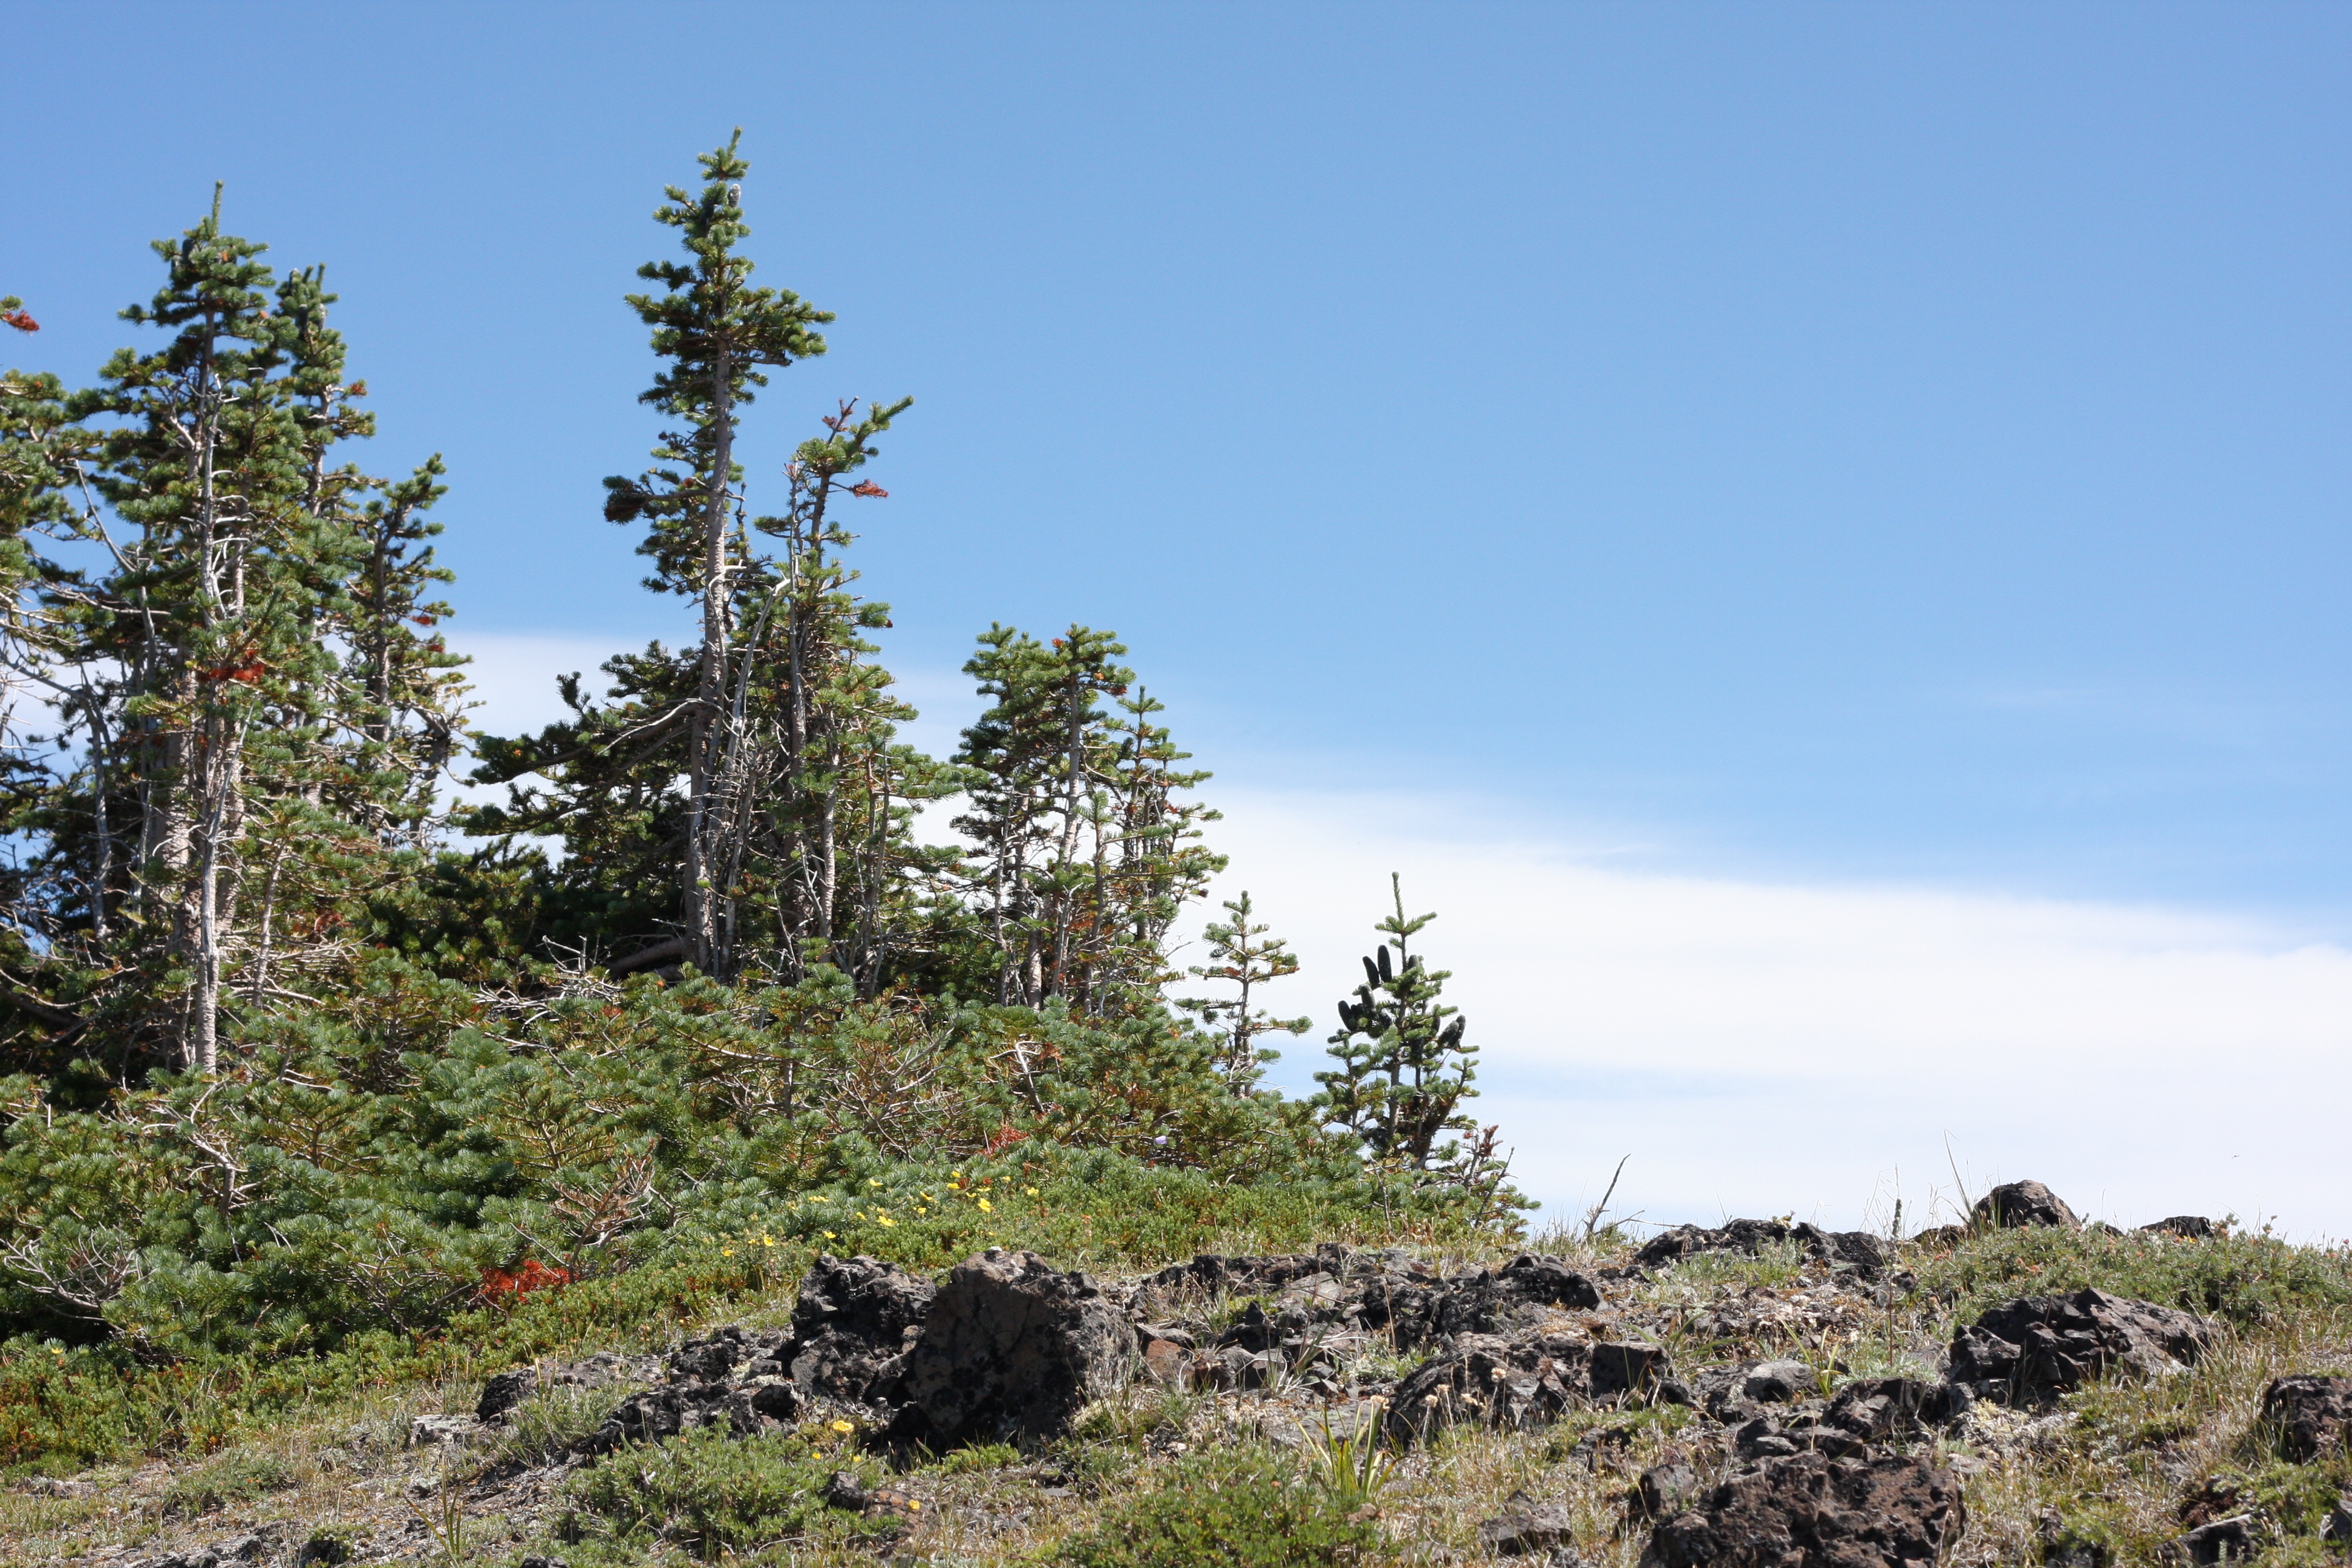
x,y
1813,1511
656,1415
1779,1382
440,1431
1519,1295
1878,1409
2337,1525
1665,1489
2031,1350
852,1326
1629,1369
2016,1206
1012,1347
2187,1226
1857,1249
2313,1415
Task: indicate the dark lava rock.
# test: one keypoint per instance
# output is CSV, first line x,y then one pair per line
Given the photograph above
x,y
713,1358
1489,1380
1516,1296
1527,1529
2017,1205
852,1324
1813,1511
1013,1347
2188,1226
2224,1541
2337,1526
504,1392
1623,1370
2030,1350
844,1491
1665,1489
656,1415
1778,1381
1880,1408
2313,1414
1209,1273
1857,1249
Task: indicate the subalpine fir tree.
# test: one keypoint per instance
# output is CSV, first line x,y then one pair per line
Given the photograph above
x,y
1082,852
213,773
716,332
791,844
1404,1068
1246,957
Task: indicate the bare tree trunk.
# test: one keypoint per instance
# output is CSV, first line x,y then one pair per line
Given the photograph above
x,y
704,738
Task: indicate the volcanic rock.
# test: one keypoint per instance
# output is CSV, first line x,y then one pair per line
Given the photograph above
x,y
2016,1206
2313,1414
2033,1349
1013,1347
1813,1511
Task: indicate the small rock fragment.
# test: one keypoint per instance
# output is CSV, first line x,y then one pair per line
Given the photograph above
x,y
2224,1541
1527,1529
2313,1414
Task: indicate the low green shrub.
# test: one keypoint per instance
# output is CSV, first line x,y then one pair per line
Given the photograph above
x,y
714,1495
547,1426
2240,1279
1236,1509
238,1476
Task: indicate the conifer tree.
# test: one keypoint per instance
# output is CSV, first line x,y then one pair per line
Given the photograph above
x,y
1244,955
716,332
209,738
1404,1068
1082,852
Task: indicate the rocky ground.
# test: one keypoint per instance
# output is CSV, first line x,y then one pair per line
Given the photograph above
x,y
1762,1393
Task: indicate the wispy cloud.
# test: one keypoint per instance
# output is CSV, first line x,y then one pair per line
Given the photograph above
x,y
1761,1049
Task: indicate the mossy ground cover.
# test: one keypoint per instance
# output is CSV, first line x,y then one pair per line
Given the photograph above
x,y
1148,1477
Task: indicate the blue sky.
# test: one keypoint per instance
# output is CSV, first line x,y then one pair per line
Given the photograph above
x,y
1855,446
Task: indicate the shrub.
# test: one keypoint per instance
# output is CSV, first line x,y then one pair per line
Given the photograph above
x,y
1238,1509
238,1476
712,1494
2240,1279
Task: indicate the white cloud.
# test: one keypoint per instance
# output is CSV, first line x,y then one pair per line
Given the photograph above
x,y
1763,1049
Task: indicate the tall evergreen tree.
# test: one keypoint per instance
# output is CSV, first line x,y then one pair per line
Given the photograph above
x,y
716,332
209,735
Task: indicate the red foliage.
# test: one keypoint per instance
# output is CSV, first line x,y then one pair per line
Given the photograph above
x,y
1003,1138
867,488
501,1288
20,320
249,673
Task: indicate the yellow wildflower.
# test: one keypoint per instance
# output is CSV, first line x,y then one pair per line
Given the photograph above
x,y
1031,1191
830,1236
984,1206
843,1426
